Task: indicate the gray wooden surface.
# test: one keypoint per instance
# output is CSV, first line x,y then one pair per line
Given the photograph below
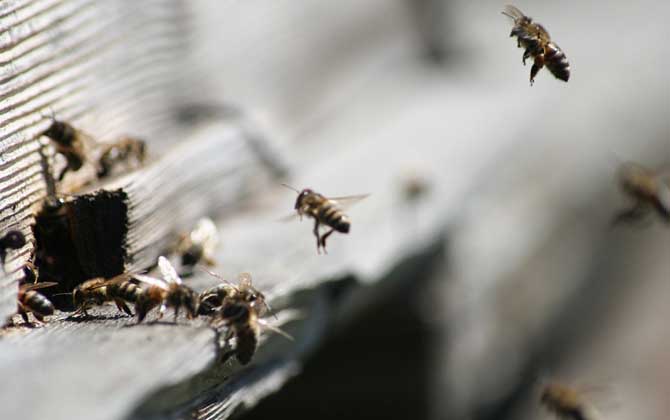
x,y
346,95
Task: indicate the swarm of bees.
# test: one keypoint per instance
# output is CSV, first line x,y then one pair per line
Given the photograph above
x,y
537,44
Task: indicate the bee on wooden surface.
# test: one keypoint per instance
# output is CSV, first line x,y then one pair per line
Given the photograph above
x,y
11,240
215,297
73,144
166,292
242,320
126,151
199,244
119,289
649,191
535,39
567,403
32,301
325,211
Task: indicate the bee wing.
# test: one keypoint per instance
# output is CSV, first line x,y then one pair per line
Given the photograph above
x,y
288,217
168,271
512,12
244,280
349,200
213,274
276,329
152,281
35,286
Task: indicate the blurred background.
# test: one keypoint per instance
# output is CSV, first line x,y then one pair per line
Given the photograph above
x,y
532,283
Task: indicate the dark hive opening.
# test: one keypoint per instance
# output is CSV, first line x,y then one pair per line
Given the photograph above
x,y
80,238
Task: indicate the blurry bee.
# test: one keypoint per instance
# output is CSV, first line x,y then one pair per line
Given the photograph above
x,y
167,292
243,323
126,150
11,240
216,296
32,301
73,144
567,403
119,289
649,191
325,211
199,244
537,43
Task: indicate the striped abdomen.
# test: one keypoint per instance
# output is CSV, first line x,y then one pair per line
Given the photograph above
x,y
246,343
556,62
329,214
126,290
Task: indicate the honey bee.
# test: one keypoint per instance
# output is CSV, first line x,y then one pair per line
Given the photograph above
x,y
535,39
167,292
199,244
11,240
32,301
648,190
215,297
73,144
126,150
119,289
325,211
242,320
567,403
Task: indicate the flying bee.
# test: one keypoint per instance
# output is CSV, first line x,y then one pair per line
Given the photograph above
x,y
32,301
216,296
166,292
199,244
73,144
325,211
11,240
649,191
567,403
535,39
242,320
127,150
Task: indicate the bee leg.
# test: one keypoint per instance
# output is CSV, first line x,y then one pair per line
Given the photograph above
x,y
24,315
122,306
141,314
323,239
176,313
537,65
316,233
526,56
636,213
38,317
161,310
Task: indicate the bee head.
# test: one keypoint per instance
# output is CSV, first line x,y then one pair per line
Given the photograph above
x,y
60,132
302,195
77,298
14,239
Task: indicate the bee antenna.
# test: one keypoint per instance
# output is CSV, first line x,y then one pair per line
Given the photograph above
x,y
213,274
62,294
290,187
